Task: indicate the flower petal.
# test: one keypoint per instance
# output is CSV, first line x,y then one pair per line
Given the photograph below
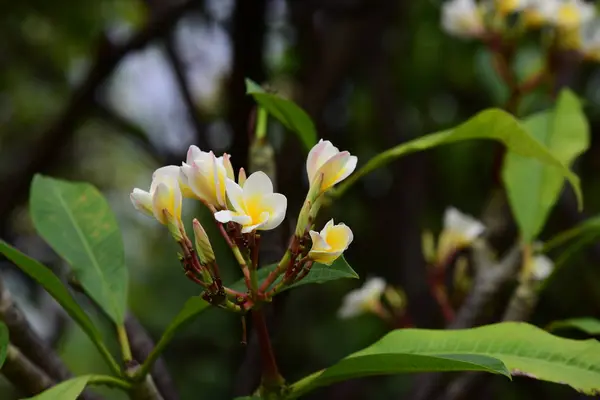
x,y
142,201
258,183
228,166
465,225
162,200
224,216
324,257
318,242
193,153
334,170
318,156
235,194
275,205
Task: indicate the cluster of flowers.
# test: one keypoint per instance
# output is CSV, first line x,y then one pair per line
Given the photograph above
x,y
575,22
249,203
459,232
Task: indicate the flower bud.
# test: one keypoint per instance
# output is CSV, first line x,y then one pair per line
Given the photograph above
x,y
330,243
364,299
203,246
327,160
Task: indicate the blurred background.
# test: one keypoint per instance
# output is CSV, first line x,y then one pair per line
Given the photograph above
x,y
106,91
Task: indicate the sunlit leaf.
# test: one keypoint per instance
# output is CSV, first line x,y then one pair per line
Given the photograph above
x,y
589,325
75,219
50,282
506,348
319,273
287,112
67,390
492,124
533,187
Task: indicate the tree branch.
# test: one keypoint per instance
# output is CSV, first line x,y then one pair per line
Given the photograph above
x,y
23,374
46,151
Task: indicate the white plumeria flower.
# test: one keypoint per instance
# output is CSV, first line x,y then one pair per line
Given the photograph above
x,y
330,243
364,299
565,14
542,267
163,201
255,206
462,18
459,231
540,12
203,176
326,159
504,7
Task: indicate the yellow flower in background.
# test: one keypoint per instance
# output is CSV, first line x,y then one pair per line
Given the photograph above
x,y
163,200
330,243
364,299
462,18
326,159
203,176
542,267
505,7
255,206
459,231
572,14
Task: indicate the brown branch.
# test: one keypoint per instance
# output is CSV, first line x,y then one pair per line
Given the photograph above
x,y
141,345
23,374
108,56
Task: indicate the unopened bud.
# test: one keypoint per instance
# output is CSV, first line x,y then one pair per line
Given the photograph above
x,y
203,246
242,177
395,297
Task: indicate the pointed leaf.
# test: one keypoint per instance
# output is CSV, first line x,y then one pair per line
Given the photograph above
x,y
533,187
75,219
287,112
67,390
3,343
319,273
191,309
492,124
521,348
50,282
591,326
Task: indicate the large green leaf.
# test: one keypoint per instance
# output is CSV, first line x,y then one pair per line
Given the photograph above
x,y
319,273
75,219
589,325
67,390
287,112
46,278
3,342
533,187
514,347
192,307
492,124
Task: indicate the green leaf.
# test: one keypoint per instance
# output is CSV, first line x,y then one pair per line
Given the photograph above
x,y
3,342
319,273
287,112
492,124
191,309
589,325
46,278
533,187
590,227
67,390
517,347
75,219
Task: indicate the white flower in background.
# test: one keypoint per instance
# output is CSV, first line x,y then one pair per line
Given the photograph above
x,y
590,40
542,267
462,18
364,299
163,200
459,231
564,14
330,243
326,159
255,206
203,176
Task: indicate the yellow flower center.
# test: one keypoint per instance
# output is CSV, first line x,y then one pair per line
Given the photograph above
x,y
336,238
568,15
254,208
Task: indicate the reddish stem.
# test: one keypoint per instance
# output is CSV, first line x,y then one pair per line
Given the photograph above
x,y
272,380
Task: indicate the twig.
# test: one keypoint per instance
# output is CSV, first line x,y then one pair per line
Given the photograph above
x,y
141,346
23,374
47,150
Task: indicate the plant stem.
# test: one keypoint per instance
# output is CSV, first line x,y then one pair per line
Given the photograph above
x,y
109,381
271,379
124,343
281,267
